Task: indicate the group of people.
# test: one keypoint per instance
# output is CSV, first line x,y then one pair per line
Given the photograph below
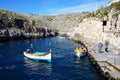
x,y
100,46
82,48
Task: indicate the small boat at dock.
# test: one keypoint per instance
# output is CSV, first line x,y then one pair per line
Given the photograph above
x,y
44,56
80,53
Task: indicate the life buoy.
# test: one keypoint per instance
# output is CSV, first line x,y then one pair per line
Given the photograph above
x,y
107,75
97,66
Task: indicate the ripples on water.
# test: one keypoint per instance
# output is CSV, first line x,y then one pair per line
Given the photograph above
x,y
64,66
40,68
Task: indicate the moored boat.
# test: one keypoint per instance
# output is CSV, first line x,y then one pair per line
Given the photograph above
x,y
39,55
80,53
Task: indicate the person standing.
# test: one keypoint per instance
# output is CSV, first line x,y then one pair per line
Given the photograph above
x,y
106,46
100,45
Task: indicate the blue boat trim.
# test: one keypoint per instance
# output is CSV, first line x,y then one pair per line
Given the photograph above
x,y
39,52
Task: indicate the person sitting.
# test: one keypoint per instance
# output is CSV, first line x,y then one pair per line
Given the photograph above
x,y
31,48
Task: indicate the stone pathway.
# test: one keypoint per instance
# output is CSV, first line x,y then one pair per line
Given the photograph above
x,y
109,61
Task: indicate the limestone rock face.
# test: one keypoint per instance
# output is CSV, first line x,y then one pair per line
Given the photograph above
x,y
118,23
113,27
113,20
65,23
92,28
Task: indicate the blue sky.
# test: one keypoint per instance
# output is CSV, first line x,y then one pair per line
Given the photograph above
x,y
51,6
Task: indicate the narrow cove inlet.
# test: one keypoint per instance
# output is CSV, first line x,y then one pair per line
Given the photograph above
x,y
64,64
60,40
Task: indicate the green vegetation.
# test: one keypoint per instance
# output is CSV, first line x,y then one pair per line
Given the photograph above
x,y
100,13
103,11
115,6
90,14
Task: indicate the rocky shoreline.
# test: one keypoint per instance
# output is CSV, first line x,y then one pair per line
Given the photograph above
x,y
17,34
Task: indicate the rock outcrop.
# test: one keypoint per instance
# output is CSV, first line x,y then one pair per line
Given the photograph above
x,y
18,26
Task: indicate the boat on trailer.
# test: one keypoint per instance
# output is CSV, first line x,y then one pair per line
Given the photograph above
x,y
44,56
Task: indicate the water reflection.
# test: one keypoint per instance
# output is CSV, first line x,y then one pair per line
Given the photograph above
x,y
77,59
37,67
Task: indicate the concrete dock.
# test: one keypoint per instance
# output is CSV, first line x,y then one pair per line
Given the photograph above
x,y
108,61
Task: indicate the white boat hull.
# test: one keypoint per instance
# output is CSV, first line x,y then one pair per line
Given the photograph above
x,y
80,54
46,57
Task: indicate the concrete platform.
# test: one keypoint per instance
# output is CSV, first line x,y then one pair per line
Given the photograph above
x,y
109,61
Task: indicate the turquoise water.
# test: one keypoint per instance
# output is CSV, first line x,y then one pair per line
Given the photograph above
x,y
64,66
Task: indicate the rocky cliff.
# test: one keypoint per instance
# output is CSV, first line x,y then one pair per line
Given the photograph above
x,y
102,29
101,25
35,25
19,26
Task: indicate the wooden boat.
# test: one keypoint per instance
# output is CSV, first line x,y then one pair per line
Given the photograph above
x,y
80,53
39,55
